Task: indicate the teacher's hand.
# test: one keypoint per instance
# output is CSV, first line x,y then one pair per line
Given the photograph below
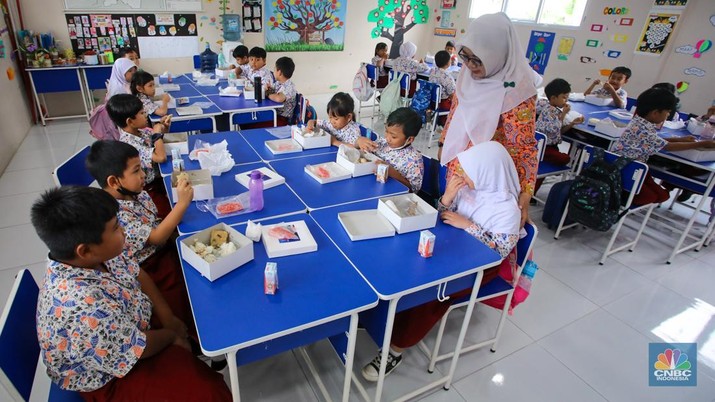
x,y
524,199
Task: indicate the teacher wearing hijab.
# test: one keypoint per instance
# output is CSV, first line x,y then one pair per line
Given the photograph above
x,y
495,101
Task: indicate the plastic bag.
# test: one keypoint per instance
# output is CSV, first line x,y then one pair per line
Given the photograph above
x,y
214,157
224,207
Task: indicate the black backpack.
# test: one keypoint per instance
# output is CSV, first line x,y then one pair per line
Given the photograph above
x,y
595,196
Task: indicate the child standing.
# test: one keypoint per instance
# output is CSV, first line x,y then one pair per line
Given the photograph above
x,y
127,112
341,124
441,76
614,87
483,201
122,72
379,61
240,53
284,91
257,63
94,311
407,64
396,148
144,88
640,140
551,112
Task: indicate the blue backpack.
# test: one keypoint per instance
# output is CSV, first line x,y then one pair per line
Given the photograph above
x,y
421,102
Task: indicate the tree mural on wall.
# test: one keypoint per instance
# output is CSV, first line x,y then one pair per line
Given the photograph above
x,y
393,14
306,17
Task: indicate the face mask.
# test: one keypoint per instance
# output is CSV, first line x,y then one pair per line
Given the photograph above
x,y
123,191
405,145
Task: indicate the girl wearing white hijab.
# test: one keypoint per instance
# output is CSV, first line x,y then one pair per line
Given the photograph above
x,y
482,201
407,64
495,100
122,73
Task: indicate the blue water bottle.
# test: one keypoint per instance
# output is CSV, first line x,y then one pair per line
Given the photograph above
x,y
209,60
255,190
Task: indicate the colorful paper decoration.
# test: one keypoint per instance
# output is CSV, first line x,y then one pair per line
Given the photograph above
x,y
596,27
10,73
682,86
626,21
657,30
613,54
694,71
685,49
445,32
615,11
593,43
620,38
565,47
539,49
702,46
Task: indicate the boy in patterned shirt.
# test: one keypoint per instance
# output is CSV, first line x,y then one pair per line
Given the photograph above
x,y
127,112
257,62
441,76
117,168
640,140
614,87
284,90
240,53
94,318
551,112
396,149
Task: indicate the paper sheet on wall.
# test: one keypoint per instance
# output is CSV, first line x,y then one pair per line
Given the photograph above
x,y
658,29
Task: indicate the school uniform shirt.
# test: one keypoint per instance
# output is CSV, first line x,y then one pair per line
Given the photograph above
x,y
149,105
409,65
639,141
407,161
348,134
138,217
445,80
288,89
549,121
245,69
91,324
144,145
621,93
264,73
380,70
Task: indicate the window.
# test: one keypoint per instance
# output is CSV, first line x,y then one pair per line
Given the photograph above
x,y
552,12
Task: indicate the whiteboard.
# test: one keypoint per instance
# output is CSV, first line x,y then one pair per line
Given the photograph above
x,y
158,47
133,5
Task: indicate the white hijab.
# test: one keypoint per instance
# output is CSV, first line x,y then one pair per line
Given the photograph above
x,y
408,50
117,83
494,41
493,203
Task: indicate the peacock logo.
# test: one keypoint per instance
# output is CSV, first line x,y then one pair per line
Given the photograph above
x,y
672,365
672,359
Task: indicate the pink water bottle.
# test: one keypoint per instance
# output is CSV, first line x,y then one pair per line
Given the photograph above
x,y
255,190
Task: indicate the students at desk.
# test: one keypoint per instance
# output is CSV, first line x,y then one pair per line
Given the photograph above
x,y
640,140
143,87
614,87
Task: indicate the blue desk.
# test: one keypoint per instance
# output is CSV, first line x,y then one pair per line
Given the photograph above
x,y
95,78
205,121
278,201
209,90
180,79
316,195
185,90
257,139
402,278
237,146
234,316
56,79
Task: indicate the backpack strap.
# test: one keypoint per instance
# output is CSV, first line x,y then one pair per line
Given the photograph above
x,y
598,154
622,162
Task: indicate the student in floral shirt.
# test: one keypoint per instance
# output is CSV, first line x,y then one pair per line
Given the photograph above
x,y
257,62
116,167
613,88
396,149
94,313
441,76
640,140
341,124
284,91
406,63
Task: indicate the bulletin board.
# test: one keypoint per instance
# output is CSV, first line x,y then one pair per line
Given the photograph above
x,y
252,16
101,32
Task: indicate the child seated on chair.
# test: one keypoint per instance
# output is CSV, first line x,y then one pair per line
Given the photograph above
x,y
379,61
396,149
127,112
129,53
452,50
284,90
119,82
257,63
441,76
143,87
117,168
99,322
614,87
406,63
240,53
341,123
483,201
551,112
640,140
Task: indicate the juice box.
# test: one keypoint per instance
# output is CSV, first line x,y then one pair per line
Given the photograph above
x,y
270,278
382,172
426,246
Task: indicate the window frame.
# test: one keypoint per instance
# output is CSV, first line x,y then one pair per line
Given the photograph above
x,y
538,15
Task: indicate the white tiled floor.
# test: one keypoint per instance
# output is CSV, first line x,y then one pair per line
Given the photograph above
x,y
581,336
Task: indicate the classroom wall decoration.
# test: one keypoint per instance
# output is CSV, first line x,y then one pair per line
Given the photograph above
x,y
539,49
565,47
446,19
445,32
619,38
101,32
612,54
587,60
252,16
670,3
712,20
702,46
400,16
615,11
166,24
685,49
593,43
694,71
657,30
596,27
682,86
626,21
449,3
295,25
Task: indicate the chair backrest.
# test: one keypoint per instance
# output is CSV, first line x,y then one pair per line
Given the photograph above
x,y
371,72
366,132
404,82
632,176
442,178
73,171
19,350
526,243
630,102
298,116
540,144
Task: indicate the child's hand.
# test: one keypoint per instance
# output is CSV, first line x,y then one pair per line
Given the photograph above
x,y
456,183
608,87
183,342
596,82
185,192
687,138
707,144
365,144
566,108
310,126
578,120
166,98
175,324
456,220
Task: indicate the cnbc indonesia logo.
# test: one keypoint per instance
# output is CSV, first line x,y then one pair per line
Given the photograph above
x,y
672,366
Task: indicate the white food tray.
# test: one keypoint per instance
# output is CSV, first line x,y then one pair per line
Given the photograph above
x,y
366,224
335,172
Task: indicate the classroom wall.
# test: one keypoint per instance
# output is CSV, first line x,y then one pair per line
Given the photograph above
x,y
695,24
15,112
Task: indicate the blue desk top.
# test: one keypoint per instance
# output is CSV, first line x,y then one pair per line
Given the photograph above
x,y
186,90
257,139
210,111
179,79
241,104
316,195
237,146
233,312
278,201
393,266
